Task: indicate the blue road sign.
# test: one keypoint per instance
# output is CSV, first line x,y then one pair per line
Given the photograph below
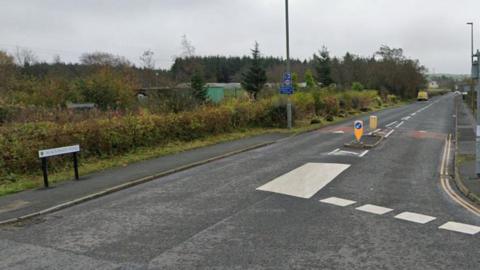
x,y
286,89
287,79
358,125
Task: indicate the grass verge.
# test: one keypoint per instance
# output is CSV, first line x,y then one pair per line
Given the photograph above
x,y
19,183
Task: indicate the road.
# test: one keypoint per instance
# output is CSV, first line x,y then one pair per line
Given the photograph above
x,y
219,216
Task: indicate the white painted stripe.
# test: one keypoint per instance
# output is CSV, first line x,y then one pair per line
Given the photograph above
x,y
413,114
305,180
348,152
400,124
389,133
374,209
363,154
406,118
338,132
414,217
391,124
460,227
334,151
338,201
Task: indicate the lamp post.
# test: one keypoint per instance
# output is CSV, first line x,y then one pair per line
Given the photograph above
x,y
472,93
289,103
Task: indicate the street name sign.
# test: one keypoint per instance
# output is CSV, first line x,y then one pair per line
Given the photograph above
x,y
46,153
58,151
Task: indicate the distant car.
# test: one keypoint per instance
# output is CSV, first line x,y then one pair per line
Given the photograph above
x,y
422,96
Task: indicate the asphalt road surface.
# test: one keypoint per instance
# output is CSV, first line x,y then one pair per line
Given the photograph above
x,y
331,208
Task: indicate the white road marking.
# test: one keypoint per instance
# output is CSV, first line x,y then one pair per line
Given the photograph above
x,y
406,118
391,124
338,201
460,227
374,209
363,154
414,217
400,124
413,114
338,152
334,151
338,132
305,180
389,133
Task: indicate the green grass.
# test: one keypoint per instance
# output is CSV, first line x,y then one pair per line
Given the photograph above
x,y
460,159
17,183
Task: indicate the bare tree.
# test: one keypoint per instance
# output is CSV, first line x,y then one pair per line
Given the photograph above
x,y
104,59
57,59
24,56
187,48
147,59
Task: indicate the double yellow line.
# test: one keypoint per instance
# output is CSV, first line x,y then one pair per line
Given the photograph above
x,y
444,179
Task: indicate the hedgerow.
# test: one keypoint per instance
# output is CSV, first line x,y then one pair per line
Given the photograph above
x,y
120,133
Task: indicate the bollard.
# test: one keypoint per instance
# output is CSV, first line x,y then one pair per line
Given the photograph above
x,y
373,122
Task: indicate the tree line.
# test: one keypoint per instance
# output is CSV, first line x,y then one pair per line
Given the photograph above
x,y
110,80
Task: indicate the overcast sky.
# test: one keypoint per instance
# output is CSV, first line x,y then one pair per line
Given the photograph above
x,y
433,31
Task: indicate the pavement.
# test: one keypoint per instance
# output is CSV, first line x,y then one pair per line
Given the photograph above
x,y
31,202
303,202
466,145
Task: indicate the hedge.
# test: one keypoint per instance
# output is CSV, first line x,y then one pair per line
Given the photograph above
x,y
104,137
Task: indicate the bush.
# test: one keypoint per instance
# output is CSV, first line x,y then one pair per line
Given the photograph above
x,y
104,135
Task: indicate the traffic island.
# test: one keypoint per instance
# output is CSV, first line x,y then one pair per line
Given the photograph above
x,y
366,142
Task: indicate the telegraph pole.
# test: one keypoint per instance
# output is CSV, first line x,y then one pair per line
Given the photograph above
x,y
289,102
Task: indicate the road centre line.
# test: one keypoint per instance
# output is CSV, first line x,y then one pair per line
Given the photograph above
x,y
391,124
400,124
406,118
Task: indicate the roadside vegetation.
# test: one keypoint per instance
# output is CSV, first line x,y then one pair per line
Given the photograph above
x,y
121,128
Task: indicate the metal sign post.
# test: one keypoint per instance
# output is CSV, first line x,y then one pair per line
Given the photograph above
x,y
289,102
46,153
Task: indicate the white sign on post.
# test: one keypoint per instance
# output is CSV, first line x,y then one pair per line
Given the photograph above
x,y
58,151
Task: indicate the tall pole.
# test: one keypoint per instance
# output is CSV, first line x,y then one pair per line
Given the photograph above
x,y
476,77
289,103
472,92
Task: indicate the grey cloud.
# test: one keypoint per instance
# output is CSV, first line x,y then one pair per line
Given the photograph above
x,y
433,31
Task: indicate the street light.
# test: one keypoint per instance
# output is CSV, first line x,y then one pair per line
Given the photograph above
x,y
289,103
471,58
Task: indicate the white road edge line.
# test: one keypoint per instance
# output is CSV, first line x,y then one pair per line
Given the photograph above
x,y
400,124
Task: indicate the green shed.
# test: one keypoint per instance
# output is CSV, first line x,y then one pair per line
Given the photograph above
x,y
215,93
